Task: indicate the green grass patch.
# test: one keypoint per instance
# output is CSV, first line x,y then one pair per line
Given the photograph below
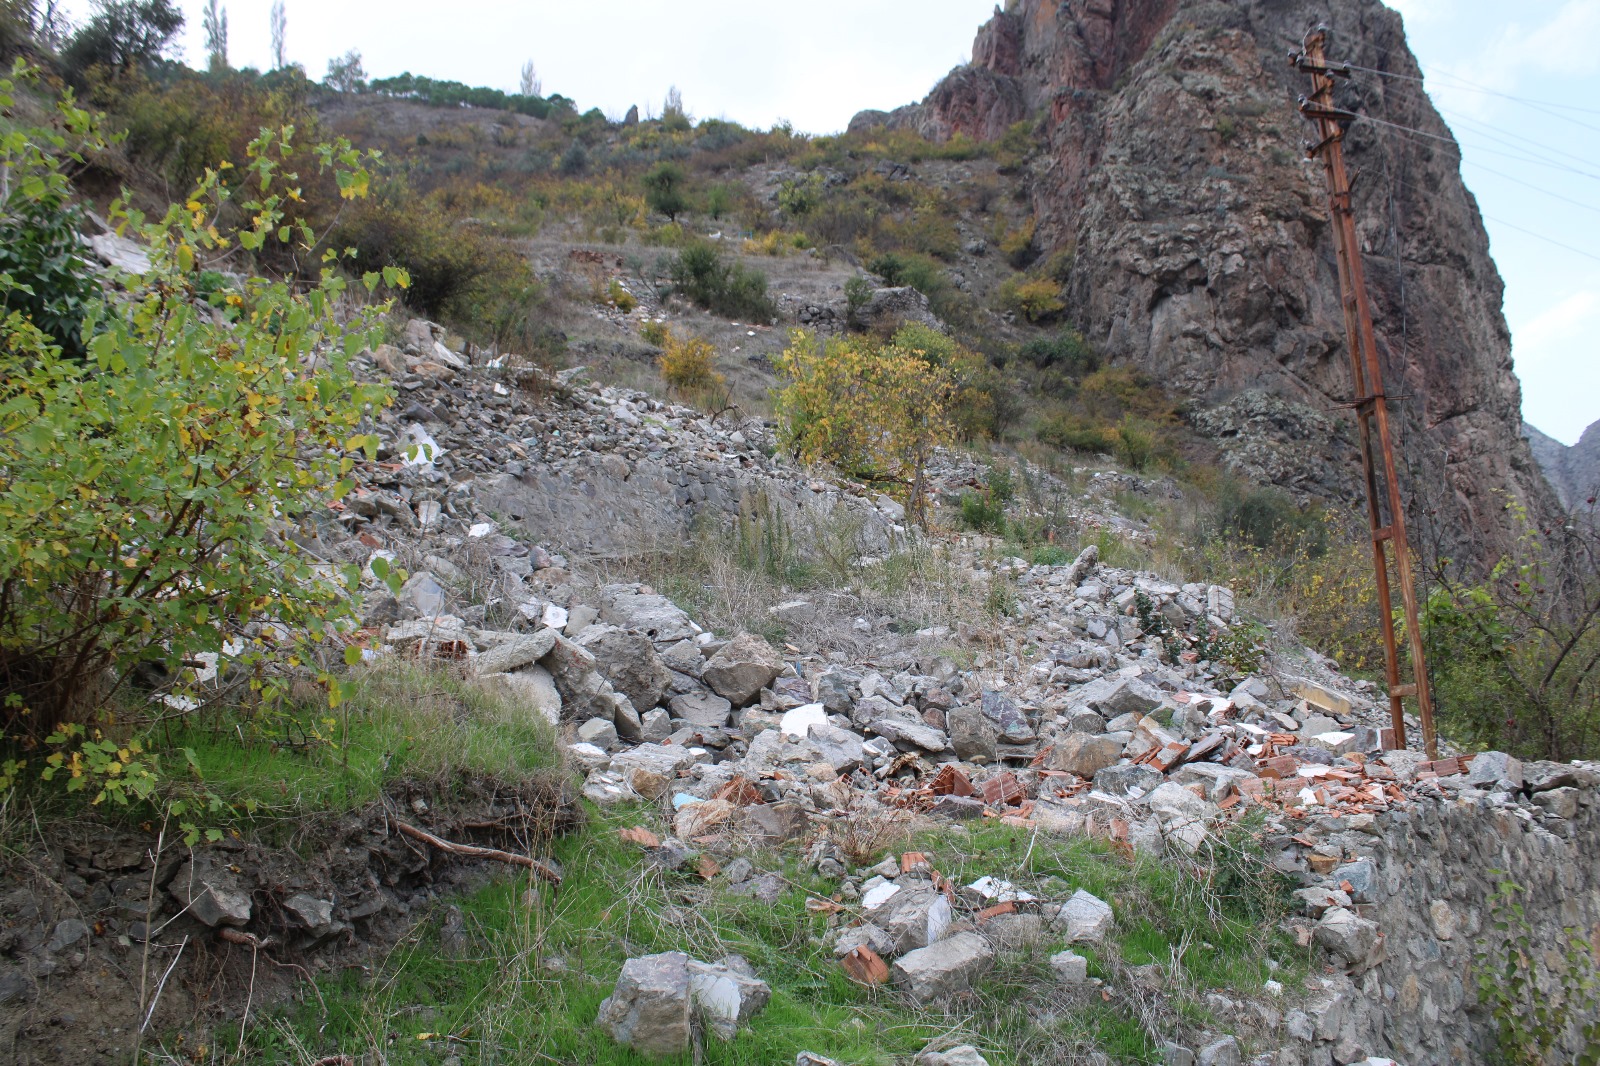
x,y
402,721
539,962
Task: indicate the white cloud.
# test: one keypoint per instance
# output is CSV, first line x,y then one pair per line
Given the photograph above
x,y
1540,338
1561,45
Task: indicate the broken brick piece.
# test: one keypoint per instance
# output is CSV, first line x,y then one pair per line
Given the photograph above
x,y
951,782
865,966
1003,790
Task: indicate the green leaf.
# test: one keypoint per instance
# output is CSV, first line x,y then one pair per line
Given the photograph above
x,y
352,655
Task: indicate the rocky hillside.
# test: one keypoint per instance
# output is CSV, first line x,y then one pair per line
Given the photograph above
x,y
1201,244
1574,472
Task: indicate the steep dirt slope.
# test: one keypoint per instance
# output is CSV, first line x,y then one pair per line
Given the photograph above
x,y
1203,251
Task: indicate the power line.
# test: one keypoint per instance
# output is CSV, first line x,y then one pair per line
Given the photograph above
x,y
1452,142
1473,86
1530,185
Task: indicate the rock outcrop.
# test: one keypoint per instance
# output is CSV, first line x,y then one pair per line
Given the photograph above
x,y
1174,171
1574,472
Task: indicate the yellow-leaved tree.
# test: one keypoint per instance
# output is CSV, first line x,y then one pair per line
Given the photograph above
x,y
874,411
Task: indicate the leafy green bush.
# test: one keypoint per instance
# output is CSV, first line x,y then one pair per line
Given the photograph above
x,y
1066,351
51,283
700,273
147,491
982,512
458,270
1515,658
1036,299
664,190
1075,434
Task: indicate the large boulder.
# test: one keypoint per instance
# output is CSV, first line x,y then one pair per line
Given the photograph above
x,y
745,665
629,661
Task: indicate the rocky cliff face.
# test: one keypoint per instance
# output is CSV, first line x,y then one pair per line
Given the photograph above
x,y
1175,172
1574,472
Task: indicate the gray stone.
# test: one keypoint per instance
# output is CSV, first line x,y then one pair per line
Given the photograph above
x,y
1363,877
1124,778
794,612
1127,695
915,917
1009,721
315,914
579,618
424,593
1314,725
515,654
702,709
840,748
1224,1052
1177,1055
944,968
1495,769
1015,932
68,932
960,1055
651,769
726,995
866,935
1083,720
1084,918
211,893
657,617
744,666
972,735
600,732
530,689
655,726
629,661
649,1008
915,734
1214,779
1069,967
1183,815
1347,936
588,757
1085,754
1558,802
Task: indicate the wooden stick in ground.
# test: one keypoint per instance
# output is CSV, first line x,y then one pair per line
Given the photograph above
x,y
544,870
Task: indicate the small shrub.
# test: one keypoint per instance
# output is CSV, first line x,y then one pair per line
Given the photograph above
x,y
1067,351
621,298
1076,434
982,512
1227,128
186,443
665,190
1017,244
688,364
655,333
700,273
1036,299
1136,443
857,294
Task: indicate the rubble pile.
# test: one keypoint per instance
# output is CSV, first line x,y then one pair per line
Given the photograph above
x,y
1106,702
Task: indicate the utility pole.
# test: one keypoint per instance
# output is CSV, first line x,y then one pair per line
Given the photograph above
x,y
1371,403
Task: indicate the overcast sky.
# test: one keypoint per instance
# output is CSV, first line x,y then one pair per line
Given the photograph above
x,y
1536,170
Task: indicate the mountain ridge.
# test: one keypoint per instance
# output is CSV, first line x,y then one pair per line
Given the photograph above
x,y
1200,240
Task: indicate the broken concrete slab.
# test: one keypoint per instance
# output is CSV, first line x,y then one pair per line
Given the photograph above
x,y
946,967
